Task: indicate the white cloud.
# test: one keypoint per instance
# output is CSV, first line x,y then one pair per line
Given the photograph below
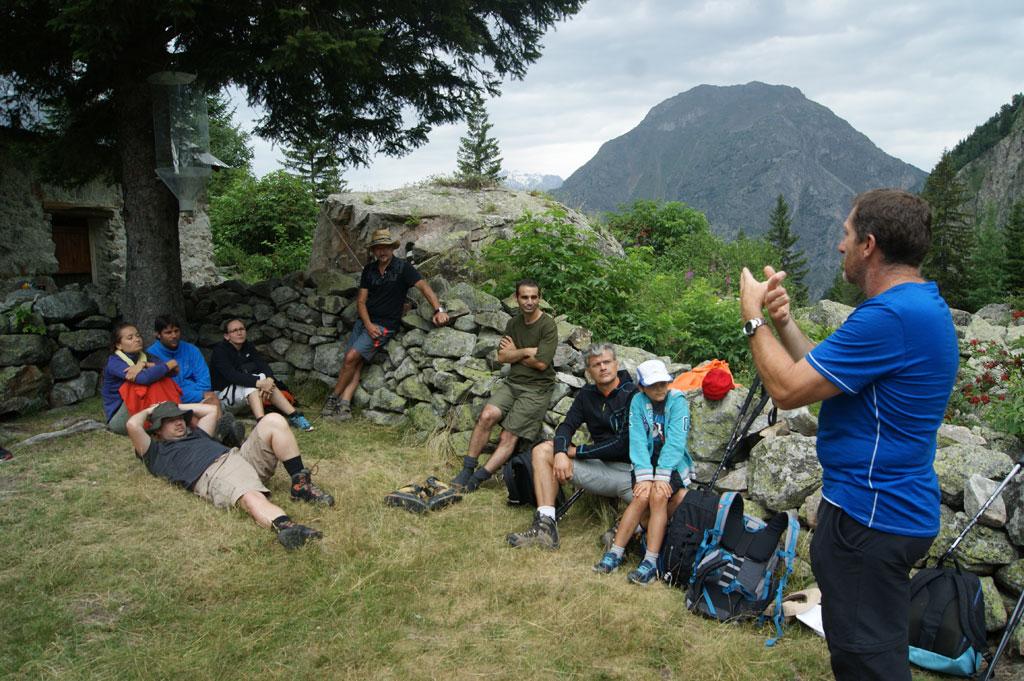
x,y
915,77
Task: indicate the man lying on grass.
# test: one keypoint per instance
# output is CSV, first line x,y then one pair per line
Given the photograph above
x,y
226,476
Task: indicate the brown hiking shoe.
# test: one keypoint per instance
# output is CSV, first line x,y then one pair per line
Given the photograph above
x,y
303,489
331,406
543,533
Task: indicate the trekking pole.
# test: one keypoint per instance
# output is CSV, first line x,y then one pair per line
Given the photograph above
x,y
984,507
743,423
1011,624
564,508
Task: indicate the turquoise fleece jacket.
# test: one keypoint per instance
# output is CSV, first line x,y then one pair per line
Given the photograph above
x,y
673,456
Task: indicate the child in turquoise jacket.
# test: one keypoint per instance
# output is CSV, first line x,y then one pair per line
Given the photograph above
x,y
659,422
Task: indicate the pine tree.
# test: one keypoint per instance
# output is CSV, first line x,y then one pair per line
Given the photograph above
x,y
792,259
478,157
316,162
952,237
987,266
1013,237
843,291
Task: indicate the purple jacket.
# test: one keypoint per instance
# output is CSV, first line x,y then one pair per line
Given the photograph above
x,y
113,379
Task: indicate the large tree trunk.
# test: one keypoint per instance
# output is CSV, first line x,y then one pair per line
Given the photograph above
x,y
153,273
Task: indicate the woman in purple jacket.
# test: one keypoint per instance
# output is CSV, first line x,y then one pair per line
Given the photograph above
x,y
127,363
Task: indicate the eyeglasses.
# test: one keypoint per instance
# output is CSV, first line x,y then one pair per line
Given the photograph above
x,y
238,330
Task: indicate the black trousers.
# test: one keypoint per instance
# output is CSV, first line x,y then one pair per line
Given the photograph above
x,y
864,577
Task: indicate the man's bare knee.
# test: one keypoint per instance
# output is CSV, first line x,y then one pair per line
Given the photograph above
x,y
353,358
490,416
543,453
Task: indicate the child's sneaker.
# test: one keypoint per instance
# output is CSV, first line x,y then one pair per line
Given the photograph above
x,y
609,563
645,573
303,489
300,422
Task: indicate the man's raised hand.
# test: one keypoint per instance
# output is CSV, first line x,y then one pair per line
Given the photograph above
x,y
776,298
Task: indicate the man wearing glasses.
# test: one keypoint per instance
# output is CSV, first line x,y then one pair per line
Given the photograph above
x,y
241,376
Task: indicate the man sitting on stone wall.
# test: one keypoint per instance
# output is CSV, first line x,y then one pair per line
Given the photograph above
x,y
241,377
602,467
520,402
224,476
192,375
382,291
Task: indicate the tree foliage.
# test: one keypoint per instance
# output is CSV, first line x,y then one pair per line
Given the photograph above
x,y
315,161
988,134
661,226
791,259
374,77
1013,237
264,227
478,157
987,266
228,141
946,262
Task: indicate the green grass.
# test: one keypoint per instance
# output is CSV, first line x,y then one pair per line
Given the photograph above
x,y
109,573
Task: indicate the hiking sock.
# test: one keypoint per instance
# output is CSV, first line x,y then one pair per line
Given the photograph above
x,y
293,465
651,557
548,511
280,522
619,551
480,476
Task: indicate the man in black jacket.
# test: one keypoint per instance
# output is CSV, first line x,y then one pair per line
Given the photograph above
x,y
240,376
601,467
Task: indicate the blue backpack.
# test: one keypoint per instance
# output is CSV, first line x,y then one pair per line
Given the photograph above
x,y
743,565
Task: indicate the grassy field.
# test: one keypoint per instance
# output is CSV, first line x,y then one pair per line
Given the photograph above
x,y
108,573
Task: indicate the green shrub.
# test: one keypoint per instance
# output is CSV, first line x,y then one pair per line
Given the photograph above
x,y
264,227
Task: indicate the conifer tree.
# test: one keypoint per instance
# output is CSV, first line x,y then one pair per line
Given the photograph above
x,y
843,291
792,259
1013,237
946,262
987,266
479,158
316,162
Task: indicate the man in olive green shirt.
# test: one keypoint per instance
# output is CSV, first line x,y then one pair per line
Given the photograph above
x,y
520,402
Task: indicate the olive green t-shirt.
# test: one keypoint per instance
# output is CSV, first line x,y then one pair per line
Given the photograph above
x,y
543,335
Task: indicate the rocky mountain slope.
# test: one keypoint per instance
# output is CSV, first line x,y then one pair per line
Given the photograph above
x,y
730,151
995,178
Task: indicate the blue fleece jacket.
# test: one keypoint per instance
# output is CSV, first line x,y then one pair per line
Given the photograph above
x,y
193,376
673,454
113,379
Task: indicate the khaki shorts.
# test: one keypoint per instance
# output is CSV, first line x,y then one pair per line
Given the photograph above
x,y
522,409
237,471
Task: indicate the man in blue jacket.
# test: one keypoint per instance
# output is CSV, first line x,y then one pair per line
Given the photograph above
x,y
601,467
884,378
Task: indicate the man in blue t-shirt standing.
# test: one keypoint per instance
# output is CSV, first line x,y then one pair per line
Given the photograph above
x,y
885,377
380,303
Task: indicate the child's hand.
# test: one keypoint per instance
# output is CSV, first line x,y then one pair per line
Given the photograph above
x,y
642,489
662,488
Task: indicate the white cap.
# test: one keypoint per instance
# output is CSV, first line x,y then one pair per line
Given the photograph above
x,y
652,371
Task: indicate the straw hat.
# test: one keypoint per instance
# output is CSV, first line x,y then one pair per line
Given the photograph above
x,y
382,237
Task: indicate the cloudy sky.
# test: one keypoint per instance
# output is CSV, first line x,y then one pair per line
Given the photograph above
x,y
915,77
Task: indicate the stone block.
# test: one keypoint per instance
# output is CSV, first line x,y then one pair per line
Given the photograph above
x,y
86,340
977,491
75,390
23,389
19,349
300,356
63,365
65,306
414,388
423,418
448,342
783,471
383,418
282,295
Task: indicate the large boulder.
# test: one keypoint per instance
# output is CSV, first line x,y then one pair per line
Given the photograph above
x,y
334,283
423,418
982,330
783,471
829,313
955,464
23,389
448,342
75,390
18,349
85,340
327,358
977,490
63,365
995,610
712,423
65,306
981,551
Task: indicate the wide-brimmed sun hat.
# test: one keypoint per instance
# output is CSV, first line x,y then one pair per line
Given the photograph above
x,y
382,237
164,411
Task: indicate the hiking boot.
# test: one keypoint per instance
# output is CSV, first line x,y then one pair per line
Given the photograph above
x,y
303,489
543,533
645,573
300,422
608,564
331,406
229,431
293,535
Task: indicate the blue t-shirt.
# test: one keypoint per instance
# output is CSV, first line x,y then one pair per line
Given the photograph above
x,y
895,360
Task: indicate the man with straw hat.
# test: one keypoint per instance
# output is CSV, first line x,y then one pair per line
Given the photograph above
x,y
382,290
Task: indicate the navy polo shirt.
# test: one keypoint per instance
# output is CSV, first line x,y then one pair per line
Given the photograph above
x,y
387,291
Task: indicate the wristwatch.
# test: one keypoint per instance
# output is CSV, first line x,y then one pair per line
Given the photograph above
x,y
752,325
438,310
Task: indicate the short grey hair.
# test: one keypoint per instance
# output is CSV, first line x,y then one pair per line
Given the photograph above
x,y
598,349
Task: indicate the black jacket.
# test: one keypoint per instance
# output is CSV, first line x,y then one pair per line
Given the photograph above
x,y
229,366
607,419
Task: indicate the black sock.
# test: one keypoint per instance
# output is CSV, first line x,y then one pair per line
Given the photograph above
x,y
482,474
281,522
293,465
469,462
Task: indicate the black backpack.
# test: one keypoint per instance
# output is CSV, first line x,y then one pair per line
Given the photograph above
x,y
518,475
684,534
947,620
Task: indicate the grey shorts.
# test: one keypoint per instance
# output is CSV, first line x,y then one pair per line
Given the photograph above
x,y
360,341
237,471
606,479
